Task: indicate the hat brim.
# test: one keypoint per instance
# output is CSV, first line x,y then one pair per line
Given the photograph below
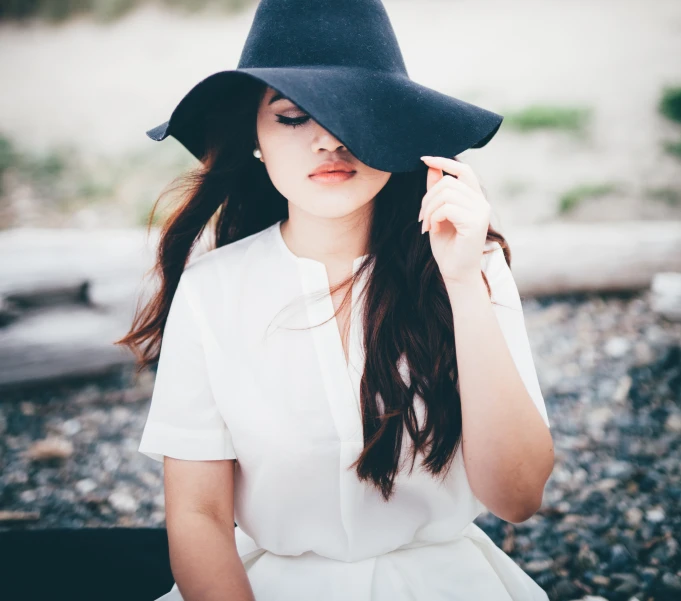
x,y
386,121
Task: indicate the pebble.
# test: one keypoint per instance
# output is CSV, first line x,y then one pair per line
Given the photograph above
x,y
85,486
673,423
671,582
655,514
50,448
123,502
617,347
71,427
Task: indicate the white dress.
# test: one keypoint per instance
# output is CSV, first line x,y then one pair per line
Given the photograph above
x,y
233,382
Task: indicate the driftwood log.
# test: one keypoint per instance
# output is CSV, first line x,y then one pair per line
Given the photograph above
x,y
592,257
66,295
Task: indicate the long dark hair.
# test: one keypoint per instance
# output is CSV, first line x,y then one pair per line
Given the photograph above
x,y
406,309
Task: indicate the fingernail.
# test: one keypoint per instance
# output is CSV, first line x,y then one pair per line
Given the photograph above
x,y
423,227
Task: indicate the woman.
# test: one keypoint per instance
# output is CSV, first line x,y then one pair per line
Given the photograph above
x,y
324,371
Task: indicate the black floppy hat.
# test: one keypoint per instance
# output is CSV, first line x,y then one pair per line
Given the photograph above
x,y
340,62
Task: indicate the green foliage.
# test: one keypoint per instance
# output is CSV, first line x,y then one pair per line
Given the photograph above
x,y
101,10
63,183
59,177
670,107
670,196
7,158
670,103
110,10
573,197
673,148
549,117
42,170
196,5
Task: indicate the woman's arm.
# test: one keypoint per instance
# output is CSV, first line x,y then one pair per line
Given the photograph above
x,y
507,446
200,522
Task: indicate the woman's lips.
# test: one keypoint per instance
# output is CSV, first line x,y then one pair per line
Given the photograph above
x,y
330,177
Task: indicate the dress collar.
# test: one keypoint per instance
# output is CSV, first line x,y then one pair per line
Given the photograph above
x,y
276,228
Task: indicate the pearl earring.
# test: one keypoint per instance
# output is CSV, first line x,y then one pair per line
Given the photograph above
x,y
257,154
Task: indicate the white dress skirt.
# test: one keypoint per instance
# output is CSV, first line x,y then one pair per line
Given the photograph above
x,y
238,379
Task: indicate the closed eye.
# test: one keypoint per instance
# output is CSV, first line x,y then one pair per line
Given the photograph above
x,y
292,121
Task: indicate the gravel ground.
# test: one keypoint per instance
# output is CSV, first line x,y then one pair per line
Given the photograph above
x,y
609,527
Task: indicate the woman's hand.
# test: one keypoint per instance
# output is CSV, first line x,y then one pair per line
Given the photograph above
x,y
456,213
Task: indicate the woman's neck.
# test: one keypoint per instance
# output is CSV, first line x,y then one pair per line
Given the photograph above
x,y
327,240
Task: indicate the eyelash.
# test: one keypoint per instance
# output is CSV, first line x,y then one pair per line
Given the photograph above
x,y
292,121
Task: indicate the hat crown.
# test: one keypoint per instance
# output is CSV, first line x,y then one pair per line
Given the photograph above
x,y
344,33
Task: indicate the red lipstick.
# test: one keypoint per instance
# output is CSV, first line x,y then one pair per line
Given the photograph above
x,y
333,171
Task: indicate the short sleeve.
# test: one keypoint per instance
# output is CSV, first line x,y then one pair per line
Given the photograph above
x,y
509,312
184,421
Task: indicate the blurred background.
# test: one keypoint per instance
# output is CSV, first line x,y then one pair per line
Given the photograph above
x,y
584,178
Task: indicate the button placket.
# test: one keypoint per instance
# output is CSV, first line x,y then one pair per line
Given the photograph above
x,y
356,352
341,380
327,340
